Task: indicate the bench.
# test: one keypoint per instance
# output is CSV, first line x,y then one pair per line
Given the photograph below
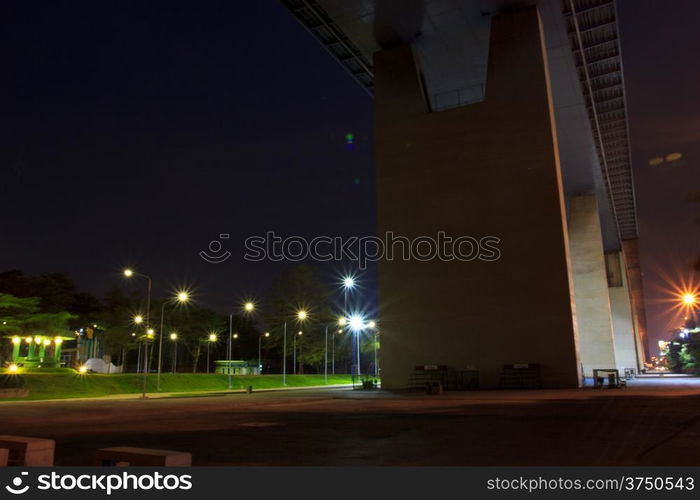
x,y
127,455
28,451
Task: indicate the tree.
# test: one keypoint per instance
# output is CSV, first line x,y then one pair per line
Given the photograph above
x,y
115,319
301,287
193,325
22,315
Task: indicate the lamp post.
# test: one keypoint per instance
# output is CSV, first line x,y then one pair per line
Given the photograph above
x,y
299,333
130,273
212,338
357,324
149,336
266,334
301,316
181,297
373,326
173,339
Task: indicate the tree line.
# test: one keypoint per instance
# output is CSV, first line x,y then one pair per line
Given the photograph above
x,y
51,304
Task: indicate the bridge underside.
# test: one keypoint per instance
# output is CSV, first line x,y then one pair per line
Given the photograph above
x,y
508,123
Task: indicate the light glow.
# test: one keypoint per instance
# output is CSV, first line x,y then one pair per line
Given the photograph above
x,y
349,282
302,315
128,273
13,368
183,296
689,299
173,336
212,337
357,323
58,341
138,319
83,369
249,306
16,340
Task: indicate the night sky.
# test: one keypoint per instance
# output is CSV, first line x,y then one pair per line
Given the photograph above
x,y
134,133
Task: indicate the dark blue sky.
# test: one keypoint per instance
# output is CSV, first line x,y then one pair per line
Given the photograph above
x,y
136,132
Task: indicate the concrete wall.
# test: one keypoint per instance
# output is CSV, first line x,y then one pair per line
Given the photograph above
x,y
487,169
630,251
596,343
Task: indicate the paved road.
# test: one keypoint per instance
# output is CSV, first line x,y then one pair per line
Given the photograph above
x,y
657,425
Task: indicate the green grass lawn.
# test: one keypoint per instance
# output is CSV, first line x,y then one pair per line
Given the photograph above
x,y
61,384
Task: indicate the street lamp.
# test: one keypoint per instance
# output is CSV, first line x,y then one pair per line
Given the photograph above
x,y
181,297
248,308
301,316
372,325
348,282
357,324
173,339
130,273
266,334
211,339
300,333
689,299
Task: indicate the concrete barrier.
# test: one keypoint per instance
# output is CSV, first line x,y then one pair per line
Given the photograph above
x,y
28,451
127,455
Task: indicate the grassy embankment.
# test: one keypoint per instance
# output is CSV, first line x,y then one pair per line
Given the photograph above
x,y
65,383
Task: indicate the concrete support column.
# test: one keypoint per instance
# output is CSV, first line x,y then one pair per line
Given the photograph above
x,y
596,341
16,346
626,349
487,169
57,350
630,251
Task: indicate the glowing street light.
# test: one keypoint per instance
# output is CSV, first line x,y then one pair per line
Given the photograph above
x,y
138,319
249,306
689,299
13,368
130,273
294,357
302,315
357,324
213,337
372,325
266,334
173,339
181,297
